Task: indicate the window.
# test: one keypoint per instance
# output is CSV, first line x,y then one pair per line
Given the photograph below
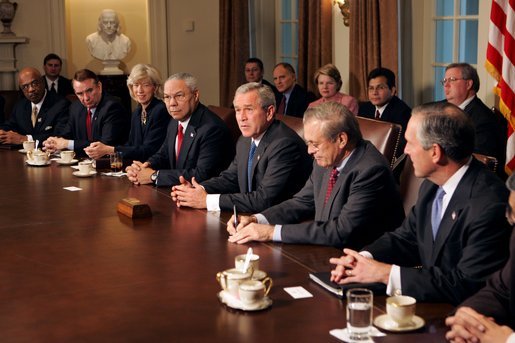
x,y
288,32
456,37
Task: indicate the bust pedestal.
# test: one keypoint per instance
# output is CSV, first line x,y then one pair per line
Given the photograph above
x,y
117,85
8,61
111,68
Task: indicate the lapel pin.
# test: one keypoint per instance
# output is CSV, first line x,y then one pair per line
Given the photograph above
x,y
39,120
453,215
258,157
192,134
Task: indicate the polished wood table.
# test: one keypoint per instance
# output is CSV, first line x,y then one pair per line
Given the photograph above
x,y
73,269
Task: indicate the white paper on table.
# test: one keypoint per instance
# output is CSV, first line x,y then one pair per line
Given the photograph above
x,y
72,189
298,292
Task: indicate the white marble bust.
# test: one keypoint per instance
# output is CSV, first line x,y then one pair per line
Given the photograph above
x,y
108,43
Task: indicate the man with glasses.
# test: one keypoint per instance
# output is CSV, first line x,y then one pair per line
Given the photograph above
x,y
456,235
349,199
489,315
36,116
461,84
197,144
254,72
383,102
96,117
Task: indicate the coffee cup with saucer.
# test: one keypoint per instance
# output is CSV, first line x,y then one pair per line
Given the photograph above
x,y
85,169
38,158
400,315
67,157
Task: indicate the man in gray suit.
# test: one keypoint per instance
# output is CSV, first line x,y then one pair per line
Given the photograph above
x,y
456,235
351,193
271,162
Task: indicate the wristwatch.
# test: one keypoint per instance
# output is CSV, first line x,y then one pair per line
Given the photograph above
x,y
153,177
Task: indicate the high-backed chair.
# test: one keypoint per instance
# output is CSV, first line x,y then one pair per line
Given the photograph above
x,y
384,135
228,115
10,97
409,184
490,162
293,123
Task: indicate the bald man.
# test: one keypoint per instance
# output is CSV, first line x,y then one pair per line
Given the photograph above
x,y
37,116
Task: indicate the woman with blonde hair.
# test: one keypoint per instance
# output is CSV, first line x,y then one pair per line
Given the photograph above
x,y
149,120
329,82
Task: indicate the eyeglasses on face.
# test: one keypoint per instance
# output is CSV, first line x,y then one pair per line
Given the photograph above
x,y
451,80
34,84
179,97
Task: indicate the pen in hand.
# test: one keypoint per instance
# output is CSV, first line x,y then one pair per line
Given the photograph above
x,y
235,214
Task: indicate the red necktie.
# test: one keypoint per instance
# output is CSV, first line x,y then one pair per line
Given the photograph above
x,y
88,125
378,115
332,180
180,135
282,106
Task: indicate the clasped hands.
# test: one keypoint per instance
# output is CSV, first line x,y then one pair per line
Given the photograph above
x,y
353,267
139,172
11,137
467,325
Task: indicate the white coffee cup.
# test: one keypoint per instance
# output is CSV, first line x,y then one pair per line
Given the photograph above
x,y
84,167
230,279
253,291
239,261
29,145
67,156
401,309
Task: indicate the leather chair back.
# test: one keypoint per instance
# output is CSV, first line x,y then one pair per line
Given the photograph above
x,y
384,135
409,184
293,123
228,115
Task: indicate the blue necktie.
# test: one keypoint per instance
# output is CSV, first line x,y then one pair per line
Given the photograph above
x,y
249,166
436,212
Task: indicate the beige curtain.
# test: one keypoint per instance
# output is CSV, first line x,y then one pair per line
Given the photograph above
x,y
315,39
234,47
373,41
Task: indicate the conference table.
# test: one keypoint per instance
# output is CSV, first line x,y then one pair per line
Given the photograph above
x,y
74,269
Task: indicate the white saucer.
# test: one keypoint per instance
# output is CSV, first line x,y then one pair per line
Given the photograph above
x,y
23,151
229,300
91,173
386,323
36,164
58,160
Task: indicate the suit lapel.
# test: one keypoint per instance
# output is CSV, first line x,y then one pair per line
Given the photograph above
x,y
242,164
453,211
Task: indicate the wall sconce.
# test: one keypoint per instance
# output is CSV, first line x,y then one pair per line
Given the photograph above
x,y
345,9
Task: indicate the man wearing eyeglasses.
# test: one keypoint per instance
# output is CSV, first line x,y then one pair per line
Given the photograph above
x,y
198,143
461,83
254,72
489,315
383,102
38,115
95,117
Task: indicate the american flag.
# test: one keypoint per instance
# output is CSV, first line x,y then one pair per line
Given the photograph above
x,y
500,63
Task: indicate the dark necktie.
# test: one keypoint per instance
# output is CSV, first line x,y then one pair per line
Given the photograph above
x,y
436,212
282,106
144,117
88,125
332,180
378,115
52,88
249,166
180,136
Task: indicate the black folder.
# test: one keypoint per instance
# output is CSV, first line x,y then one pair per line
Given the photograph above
x,y
324,279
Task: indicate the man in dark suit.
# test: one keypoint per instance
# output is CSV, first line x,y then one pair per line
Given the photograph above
x,y
278,168
383,102
461,83
351,193
54,82
197,144
473,319
293,99
36,116
97,117
456,234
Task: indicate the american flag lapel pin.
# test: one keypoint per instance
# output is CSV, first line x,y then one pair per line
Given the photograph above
x,y
258,157
454,215
192,134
